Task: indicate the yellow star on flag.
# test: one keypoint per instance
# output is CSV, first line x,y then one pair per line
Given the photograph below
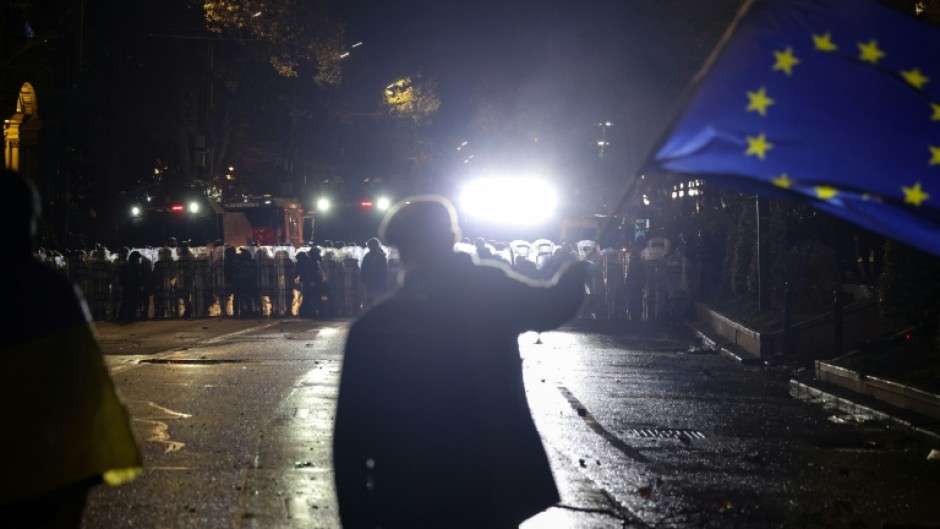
x,y
914,195
758,146
783,181
869,52
759,101
914,77
824,42
785,61
936,112
934,155
826,192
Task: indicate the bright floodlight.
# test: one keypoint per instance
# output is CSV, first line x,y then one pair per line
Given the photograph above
x,y
509,201
323,205
383,203
135,211
194,207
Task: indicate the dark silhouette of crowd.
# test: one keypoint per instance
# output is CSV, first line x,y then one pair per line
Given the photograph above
x,y
332,279
179,280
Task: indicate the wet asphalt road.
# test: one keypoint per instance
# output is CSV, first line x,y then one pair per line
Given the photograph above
x,y
643,429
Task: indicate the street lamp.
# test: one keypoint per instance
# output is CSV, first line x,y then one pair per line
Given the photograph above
x,y
602,144
605,182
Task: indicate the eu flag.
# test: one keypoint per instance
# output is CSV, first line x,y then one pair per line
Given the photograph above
x,y
836,101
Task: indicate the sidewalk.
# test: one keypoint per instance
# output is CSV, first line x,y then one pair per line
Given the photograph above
x,y
806,386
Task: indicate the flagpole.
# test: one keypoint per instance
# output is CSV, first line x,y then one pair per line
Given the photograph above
x,y
692,89
631,184
745,7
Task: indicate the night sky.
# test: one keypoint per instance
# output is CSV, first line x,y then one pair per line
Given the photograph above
x,y
123,85
559,66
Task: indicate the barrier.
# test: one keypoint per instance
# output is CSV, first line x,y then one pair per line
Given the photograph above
x,y
217,282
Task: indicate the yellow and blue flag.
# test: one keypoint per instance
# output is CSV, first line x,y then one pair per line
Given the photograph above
x,y
836,101
63,420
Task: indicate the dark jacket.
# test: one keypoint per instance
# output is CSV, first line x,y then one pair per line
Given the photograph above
x,y
432,424
374,270
308,269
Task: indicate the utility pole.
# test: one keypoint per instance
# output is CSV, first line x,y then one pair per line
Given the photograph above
x,y
602,144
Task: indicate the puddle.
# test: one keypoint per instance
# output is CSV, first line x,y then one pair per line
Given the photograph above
x,y
193,361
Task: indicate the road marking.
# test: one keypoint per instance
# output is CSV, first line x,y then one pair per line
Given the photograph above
x,y
592,423
168,411
160,431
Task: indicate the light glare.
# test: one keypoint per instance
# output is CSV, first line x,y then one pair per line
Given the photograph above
x,y
509,201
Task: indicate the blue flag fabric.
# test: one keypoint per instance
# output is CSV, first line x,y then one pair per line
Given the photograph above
x,y
836,101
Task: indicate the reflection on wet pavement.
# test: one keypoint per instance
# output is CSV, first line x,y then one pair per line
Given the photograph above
x,y
159,430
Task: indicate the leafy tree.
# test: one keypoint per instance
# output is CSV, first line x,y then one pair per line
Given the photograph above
x,y
415,99
300,34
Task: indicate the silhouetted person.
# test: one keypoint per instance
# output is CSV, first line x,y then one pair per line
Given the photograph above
x,y
79,270
164,280
432,425
185,279
203,294
483,251
331,266
635,283
132,287
117,285
64,429
100,290
230,265
374,271
246,284
561,256
267,281
284,275
311,283
146,271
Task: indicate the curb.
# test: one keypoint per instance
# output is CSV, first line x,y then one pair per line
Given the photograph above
x,y
729,351
834,397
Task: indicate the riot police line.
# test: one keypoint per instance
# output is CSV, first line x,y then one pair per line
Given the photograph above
x,y
184,282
